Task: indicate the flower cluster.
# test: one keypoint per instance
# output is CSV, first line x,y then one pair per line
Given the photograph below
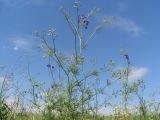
x,y
50,66
127,58
51,32
83,21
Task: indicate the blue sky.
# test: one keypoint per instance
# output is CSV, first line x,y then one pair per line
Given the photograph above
x,y
136,29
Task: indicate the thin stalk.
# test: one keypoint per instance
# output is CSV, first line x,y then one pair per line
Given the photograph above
x,y
60,65
3,83
75,39
126,88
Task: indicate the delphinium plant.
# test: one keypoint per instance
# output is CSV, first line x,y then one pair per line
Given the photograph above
x,y
71,95
33,94
127,89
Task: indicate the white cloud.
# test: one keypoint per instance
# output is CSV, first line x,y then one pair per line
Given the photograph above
x,y
21,42
137,73
127,25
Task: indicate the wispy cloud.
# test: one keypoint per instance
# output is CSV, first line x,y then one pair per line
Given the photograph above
x,y
2,67
21,43
121,6
122,24
37,2
12,3
127,25
6,80
137,73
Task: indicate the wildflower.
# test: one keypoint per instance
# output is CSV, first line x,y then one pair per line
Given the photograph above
x,y
50,52
94,72
127,58
74,69
50,66
83,21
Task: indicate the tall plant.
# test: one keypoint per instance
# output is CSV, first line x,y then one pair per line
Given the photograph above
x,y
71,92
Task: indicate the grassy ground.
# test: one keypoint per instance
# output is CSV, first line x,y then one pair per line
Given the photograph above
x,y
40,117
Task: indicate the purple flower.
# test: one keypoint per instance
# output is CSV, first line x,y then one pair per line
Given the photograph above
x,y
50,66
83,21
127,58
